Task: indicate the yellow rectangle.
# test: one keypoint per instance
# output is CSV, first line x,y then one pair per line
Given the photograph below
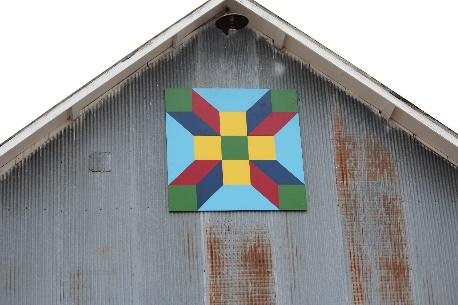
x,y
236,172
207,148
261,148
233,123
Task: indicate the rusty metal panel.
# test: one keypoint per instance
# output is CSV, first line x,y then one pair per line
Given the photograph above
x,y
381,226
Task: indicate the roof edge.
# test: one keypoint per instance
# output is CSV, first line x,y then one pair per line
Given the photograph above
x,y
284,36
34,134
427,130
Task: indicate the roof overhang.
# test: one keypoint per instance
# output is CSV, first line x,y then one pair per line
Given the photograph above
x,y
284,36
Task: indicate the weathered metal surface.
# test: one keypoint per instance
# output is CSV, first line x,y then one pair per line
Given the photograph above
x,y
240,265
381,226
373,220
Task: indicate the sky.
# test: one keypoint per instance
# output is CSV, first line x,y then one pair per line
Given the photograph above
x,y
51,48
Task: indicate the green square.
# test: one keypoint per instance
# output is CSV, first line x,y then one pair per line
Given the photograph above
x,y
234,148
182,198
178,100
284,100
292,197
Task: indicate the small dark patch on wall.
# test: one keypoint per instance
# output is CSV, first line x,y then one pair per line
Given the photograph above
x,y
100,162
373,219
239,266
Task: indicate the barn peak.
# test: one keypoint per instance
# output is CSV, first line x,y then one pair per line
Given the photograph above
x,y
284,36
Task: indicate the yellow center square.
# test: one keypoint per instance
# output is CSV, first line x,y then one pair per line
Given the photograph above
x,y
207,148
233,123
236,172
261,148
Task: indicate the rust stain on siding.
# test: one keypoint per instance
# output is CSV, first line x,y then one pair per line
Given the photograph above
x,y
373,220
240,266
190,252
350,209
256,259
11,280
216,264
76,280
104,258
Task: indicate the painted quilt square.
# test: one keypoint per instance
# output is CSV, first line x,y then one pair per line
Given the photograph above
x,y
234,150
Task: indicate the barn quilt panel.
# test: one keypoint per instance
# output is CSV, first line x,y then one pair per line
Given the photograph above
x,y
234,150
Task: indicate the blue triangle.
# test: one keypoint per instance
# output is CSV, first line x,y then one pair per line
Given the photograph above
x,y
231,100
288,148
180,148
237,198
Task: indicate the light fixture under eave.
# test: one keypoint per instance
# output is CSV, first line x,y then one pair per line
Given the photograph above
x,y
231,22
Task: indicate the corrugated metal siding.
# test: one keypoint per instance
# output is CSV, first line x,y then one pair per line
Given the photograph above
x,y
381,226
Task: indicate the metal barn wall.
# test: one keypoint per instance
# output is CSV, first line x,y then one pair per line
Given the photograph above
x,y
84,219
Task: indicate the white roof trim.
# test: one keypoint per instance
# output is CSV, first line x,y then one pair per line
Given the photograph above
x,y
284,36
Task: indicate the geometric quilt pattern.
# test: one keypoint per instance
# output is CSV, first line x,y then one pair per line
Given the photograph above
x,y
234,150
